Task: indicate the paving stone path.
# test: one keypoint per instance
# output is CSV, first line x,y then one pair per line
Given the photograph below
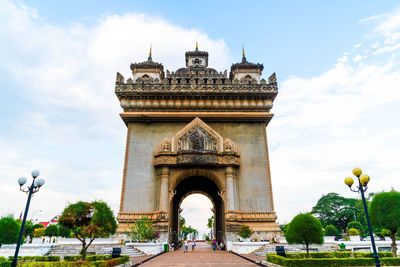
x,y
202,256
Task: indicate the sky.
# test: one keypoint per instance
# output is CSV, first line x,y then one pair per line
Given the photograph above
x,y
338,106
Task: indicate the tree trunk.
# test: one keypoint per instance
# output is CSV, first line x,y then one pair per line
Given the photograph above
x,y
83,250
308,255
394,247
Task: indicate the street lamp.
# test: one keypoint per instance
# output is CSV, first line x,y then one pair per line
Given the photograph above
x,y
35,186
363,180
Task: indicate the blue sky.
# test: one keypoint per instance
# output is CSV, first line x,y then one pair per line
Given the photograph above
x,y
337,65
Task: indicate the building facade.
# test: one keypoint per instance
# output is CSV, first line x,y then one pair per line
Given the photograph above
x,y
197,130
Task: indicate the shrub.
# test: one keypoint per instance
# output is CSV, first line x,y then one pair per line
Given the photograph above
x,y
325,254
2,258
98,257
355,225
343,254
64,231
38,232
331,230
353,231
385,232
51,230
9,230
72,258
5,263
245,231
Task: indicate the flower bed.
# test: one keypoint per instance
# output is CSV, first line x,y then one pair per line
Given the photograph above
x,y
71,261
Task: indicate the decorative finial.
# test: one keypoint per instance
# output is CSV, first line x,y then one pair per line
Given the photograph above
x,y
149,58
197,46
243,55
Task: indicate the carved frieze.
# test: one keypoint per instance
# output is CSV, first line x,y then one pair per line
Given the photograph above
x,y
250,216
197,144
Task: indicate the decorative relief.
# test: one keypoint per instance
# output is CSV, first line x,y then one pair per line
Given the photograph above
x,y
196,159
197,139
131,217
197,144
250,216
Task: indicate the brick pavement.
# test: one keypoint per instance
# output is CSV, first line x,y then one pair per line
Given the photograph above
x,y
202,256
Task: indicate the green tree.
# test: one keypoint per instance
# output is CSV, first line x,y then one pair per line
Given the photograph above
x,y
304,228
385,212
335,209
245,231
142,230
88,221
331,230
64,231
210,225
51,230
353,232
28,229
9,230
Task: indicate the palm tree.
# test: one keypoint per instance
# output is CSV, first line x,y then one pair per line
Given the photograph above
x,y
210,224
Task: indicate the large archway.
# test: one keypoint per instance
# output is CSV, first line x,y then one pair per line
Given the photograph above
x,y
203,185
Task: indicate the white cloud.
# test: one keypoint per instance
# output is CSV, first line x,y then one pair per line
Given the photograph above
x,y
326,125
70,127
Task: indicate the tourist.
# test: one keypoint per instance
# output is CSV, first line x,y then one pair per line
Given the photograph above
x,y
222,246
214,244
186,246
193,244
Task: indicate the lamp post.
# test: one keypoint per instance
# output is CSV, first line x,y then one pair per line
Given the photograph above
x,y
35,186
363,180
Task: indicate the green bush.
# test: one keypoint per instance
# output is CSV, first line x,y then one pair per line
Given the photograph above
x,y
330,262
51,230
98,263
72,257
5,263
245,231
343,254
353,231
325,254
355,225
331,230
2,258
98,257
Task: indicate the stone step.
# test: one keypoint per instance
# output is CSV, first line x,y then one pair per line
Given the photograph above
x,y
64,250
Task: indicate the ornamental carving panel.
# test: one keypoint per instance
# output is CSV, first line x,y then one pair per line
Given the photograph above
x,y
198,140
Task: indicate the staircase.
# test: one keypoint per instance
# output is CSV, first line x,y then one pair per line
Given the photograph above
x,y
270,248
64,250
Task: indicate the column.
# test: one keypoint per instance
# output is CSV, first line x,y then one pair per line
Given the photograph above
x,y
230,190
164,198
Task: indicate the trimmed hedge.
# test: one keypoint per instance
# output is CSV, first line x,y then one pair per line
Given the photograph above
x,y
98,257
72,258
330,262
36,258
95,263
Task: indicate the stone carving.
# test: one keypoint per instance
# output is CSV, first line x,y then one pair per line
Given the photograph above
x,y
272,78
196,159
197,139
120,78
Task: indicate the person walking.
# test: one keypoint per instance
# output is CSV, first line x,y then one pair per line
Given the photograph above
x,y
193,244
185,246
214,244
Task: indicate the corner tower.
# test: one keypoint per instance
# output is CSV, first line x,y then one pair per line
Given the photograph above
x,y
197,130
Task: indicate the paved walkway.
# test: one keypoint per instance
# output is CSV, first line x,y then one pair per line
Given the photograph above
x,y
202,256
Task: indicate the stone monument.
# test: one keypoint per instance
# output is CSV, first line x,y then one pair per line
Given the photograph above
x,y
197,130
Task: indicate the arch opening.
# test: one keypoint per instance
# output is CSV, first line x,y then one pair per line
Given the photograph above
x,y
207,187
197,208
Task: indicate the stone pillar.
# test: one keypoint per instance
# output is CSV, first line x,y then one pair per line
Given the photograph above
x,y
164,196
230,190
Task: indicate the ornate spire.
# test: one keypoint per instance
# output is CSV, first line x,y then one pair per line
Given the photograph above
x,y
197,46
243,55
150,58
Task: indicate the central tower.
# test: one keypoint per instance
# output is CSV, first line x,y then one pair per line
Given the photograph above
x,y
197,130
